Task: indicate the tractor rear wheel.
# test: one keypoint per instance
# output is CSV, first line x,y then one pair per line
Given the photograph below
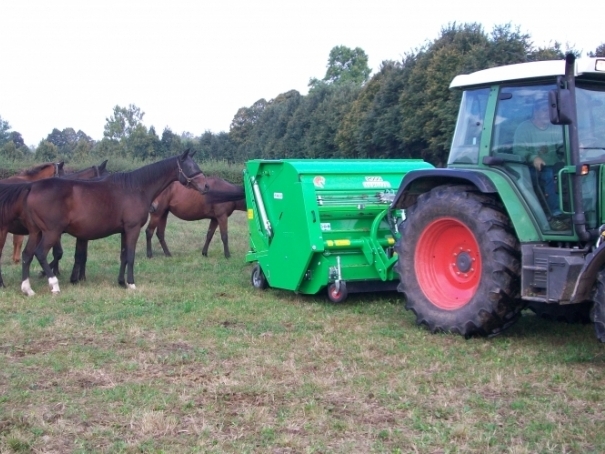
x,y
598,310
459,262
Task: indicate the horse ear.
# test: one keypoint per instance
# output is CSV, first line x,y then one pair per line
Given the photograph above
x,y
103,164
60,164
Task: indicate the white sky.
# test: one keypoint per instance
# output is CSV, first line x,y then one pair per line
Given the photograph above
x,y
191,64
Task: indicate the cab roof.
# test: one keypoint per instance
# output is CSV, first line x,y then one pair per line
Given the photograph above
x,y
532,70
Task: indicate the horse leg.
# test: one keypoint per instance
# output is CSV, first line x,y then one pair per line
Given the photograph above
x,y
17,245
38,245
211,229
129,244
26,258
3,235
149,234
121,280
222,223
47,241
160,233
78,272
57,255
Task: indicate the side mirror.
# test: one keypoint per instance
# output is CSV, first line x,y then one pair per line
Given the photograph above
x,y
560,106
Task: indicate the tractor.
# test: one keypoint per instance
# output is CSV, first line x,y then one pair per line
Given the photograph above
x,y
498,231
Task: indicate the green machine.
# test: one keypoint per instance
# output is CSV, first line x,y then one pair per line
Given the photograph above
x,y
321,224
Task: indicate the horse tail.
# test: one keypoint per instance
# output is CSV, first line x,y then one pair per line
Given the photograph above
x,y
9,195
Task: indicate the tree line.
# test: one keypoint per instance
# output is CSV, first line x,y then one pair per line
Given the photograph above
x,y
404,110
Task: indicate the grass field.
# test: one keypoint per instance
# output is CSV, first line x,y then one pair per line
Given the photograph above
x,y
197,360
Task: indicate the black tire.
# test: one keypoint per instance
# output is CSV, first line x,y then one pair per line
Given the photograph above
x,y
568,313
258,278
598,309
459,262
338,296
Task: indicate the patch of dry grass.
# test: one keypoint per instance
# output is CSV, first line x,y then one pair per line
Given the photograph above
x,y
197,360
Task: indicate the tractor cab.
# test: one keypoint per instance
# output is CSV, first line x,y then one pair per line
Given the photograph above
x,y
512,126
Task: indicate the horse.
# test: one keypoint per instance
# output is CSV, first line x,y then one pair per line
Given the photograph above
x,y
192,206
84,174
46,170
94,209
41,171
12,201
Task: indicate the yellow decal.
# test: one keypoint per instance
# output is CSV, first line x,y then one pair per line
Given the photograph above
x,y
250,213
342,242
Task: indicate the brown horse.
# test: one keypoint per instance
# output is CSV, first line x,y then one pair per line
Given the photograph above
x,y
84,174
192,206
12,202
89,210
46,170
39,172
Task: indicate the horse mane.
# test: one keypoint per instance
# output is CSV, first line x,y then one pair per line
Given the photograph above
x,y
132,180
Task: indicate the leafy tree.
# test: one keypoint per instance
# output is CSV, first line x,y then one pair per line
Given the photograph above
x,y
47,151
599,51
4,131
123,122
345,65
170,143
10,151
371,127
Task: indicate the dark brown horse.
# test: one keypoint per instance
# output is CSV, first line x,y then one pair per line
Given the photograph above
x,y
39,172
192,206
12,201
84,174
89,210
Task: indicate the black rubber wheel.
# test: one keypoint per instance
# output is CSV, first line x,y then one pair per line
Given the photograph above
x,y
459,262
568,313
258,278
598,309
338,296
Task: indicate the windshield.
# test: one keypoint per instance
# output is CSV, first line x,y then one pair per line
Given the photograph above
x,y
591,122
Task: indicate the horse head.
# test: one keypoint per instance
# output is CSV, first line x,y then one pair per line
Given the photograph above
x,y
190,175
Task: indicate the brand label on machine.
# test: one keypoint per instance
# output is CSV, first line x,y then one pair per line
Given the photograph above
x,y
376,182
319,181
325,226
278,195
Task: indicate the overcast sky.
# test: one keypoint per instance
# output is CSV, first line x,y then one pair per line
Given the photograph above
x,y
191,64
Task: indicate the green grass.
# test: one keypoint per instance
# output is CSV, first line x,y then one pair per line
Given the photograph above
x,y
197,360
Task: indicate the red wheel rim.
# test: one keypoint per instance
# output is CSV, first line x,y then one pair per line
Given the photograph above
x,y
448,263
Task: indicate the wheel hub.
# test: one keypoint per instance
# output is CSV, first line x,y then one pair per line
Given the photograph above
x,y
464,262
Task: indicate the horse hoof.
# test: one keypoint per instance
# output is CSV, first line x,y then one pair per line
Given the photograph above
x,y
26,288
132,287
53,283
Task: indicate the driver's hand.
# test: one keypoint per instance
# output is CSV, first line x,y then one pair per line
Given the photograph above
x,y
538,163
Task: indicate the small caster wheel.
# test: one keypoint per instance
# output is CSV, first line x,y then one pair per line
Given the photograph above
x,y
337,295
258,278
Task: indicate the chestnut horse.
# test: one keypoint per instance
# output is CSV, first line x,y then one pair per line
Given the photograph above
x,y
192,206
93,209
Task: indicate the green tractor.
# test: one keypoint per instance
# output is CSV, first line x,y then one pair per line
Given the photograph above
x,y
517,219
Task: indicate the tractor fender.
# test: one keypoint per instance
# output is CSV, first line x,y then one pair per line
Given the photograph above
x,y
588,275
420,181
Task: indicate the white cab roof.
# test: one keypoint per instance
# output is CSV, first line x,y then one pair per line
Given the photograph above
x,y
532,70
